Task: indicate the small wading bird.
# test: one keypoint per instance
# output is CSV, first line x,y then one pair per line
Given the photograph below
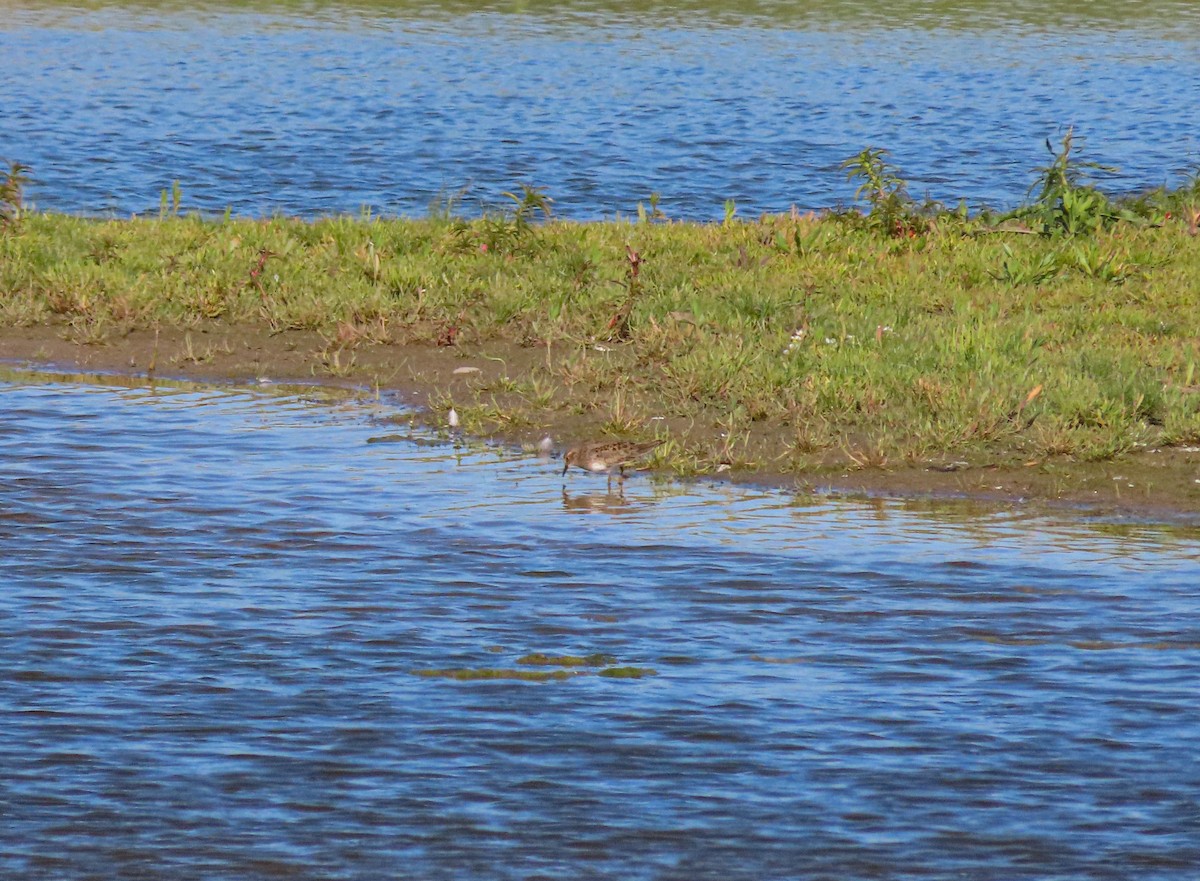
x,y
607,456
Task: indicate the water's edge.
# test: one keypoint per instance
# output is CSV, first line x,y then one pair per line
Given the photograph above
x,y
1160,487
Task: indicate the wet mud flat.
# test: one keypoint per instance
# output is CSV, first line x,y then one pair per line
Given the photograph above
x,y
1155,483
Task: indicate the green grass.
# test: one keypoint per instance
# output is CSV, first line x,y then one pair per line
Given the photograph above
x,y
790,342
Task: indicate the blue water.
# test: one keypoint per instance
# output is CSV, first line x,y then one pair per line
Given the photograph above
x,y
326,108
216,604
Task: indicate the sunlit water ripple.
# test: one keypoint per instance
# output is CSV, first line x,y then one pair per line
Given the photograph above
x,y
215,604
312,108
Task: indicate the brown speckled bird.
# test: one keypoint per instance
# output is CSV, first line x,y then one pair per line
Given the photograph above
x,y
607,456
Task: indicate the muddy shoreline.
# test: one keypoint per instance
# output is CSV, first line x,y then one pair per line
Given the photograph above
x,y
1154,484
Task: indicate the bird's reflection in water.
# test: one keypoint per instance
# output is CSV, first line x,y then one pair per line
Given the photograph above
x,y
610,502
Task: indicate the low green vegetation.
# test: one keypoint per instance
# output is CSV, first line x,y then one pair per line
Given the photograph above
x,y
898,332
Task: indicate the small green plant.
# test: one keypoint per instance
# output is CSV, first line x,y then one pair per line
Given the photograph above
x,y
169,207
331,360
654,213
1016,272
730,212
444,206
806,239
618,324
1067,203
531,200
505,231
92,328
881,187
12,189
1107,268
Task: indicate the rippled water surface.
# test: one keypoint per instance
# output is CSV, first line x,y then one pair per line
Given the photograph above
x,y
216,607
320,107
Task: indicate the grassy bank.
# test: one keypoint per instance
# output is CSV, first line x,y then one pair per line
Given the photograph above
x,y
891,335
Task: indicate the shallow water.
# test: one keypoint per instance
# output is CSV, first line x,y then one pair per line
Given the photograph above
x,y
310,108
215,605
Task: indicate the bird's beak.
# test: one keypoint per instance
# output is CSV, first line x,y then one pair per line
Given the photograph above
x,y
566,465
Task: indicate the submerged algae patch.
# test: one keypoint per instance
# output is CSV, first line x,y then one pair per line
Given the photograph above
x,y
469,674
538,659
626,672
568,667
